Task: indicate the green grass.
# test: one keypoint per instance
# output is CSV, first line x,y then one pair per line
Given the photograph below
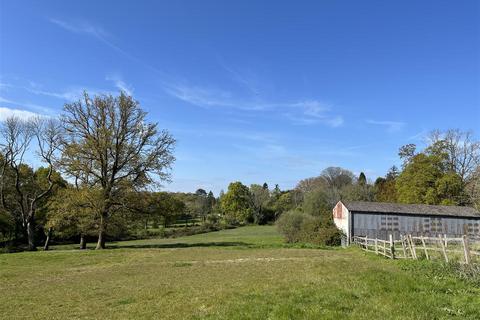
x,y
243,273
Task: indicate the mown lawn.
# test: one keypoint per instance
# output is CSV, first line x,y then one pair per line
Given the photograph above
x,y
242,273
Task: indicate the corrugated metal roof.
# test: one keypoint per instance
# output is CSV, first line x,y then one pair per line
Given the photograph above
x,y
416,209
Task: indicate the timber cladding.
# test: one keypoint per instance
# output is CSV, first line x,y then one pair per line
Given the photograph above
x,y
379,220
377,225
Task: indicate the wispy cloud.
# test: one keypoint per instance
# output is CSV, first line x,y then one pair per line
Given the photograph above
x,y
26,88
120,84
81,27
4,100
39,108
391,126
420,136
68,95
89,29
71,94
299,112
202,97
6,113
245,78
313,111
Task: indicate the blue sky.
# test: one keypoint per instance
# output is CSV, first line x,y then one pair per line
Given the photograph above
x,y
255,91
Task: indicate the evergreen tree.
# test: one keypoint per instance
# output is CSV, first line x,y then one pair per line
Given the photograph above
x,y
362,179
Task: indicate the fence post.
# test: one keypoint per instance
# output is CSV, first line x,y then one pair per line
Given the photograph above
x,y
424,247
376,246
402,238
466,250
442,243
412,246
446,240
392,247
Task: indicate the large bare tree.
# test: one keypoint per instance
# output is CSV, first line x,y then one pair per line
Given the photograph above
x,y
109,145
18,135
462,150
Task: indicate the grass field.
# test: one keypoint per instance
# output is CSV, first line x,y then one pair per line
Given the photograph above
x,y
244,273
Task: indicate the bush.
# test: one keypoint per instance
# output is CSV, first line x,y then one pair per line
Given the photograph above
x,y
297,226
290,225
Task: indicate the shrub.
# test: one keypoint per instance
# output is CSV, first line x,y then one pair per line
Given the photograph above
x,y
297,226
316,231
290,225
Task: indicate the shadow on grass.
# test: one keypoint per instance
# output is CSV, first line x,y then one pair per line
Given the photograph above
x,y
178,245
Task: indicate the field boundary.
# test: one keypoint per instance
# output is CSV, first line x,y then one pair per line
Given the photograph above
x,y
466,250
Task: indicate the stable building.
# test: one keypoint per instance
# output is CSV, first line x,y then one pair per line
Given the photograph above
x,y
379,220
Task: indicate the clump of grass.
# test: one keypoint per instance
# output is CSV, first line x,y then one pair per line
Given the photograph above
x,y
182,264
442,271
469,273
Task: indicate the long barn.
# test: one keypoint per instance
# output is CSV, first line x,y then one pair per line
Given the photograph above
x,y
379,220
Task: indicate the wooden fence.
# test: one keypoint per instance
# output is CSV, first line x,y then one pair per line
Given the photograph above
x,y
414,247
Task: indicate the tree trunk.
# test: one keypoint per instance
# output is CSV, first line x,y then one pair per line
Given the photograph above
x,y
31,235
47,241
101,240
83,242
101,232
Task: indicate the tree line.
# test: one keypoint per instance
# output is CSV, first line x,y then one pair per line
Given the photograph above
x,y
102,162
97,155
445,172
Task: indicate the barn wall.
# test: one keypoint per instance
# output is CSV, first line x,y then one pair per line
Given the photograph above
x,y
341,217
379,226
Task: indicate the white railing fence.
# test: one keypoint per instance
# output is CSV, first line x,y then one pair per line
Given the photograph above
x,y
415,247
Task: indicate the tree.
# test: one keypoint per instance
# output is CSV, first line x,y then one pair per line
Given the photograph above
x,y
110,145
337,177
316,203
424,180
276,192
385,189
308,185
6,225
201,204
461,150
358,192
449,189
392,173
472,188
362,179
260,199
283,204
211,201
237,203
163,205
335,180
30,190
8,208
416,184
406,153
72,212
